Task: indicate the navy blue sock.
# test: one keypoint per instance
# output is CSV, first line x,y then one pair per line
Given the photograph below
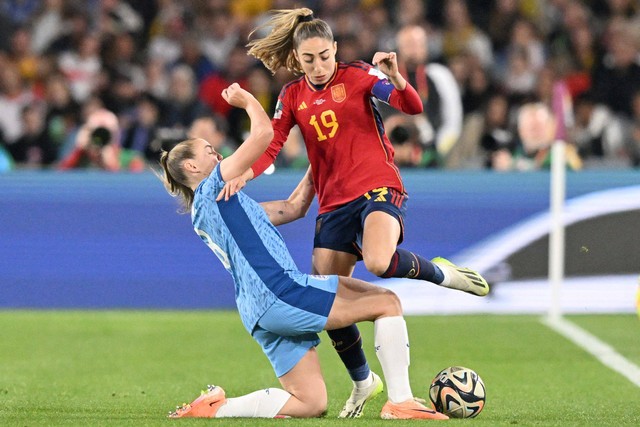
x,y
413,266
348,344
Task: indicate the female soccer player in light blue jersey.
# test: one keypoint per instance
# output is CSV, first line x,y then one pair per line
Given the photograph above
x,y
282,308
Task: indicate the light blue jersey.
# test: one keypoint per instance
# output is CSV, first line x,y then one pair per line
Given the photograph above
x,y
239,232
282,308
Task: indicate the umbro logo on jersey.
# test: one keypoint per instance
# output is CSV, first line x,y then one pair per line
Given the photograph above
x,y
302,106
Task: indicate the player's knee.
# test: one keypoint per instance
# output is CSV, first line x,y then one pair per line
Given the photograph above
x,y
375,264
316,407
391,303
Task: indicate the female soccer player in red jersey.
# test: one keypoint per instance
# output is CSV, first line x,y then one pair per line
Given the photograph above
x,y
362,199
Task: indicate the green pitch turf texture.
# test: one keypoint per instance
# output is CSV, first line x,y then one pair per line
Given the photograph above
x,y
130,368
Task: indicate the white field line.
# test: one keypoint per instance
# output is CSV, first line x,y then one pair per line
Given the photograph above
x,y
602,351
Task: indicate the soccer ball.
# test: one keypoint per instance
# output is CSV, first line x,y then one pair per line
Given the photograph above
x,y
457,392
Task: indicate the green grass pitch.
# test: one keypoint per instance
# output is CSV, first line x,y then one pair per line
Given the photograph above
x,y
129,368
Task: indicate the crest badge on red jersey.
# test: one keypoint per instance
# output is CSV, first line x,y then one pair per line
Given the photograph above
x,y
338,92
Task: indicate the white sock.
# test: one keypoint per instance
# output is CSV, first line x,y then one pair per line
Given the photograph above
x,y
364,383
392,348
259,404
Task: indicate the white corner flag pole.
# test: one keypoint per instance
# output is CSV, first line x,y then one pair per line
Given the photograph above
x,y
556,235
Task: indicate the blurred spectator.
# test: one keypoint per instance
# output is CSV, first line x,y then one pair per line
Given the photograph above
x,y
410,12
405,137
169,29
213,129
348,22
126,77
380,26
96,144
22,56
476,87
475,83
598,134
329,11
584,54
525,38
181,105
34,148
236,71
14,97
536,128
462,36
218,35
441,124
191,55
259,83
156,78
117,17
75,27
498,139
554,93
47,25
81,67
502,18
567,17
62,114
617,77
583,48
148,10
138,136
520,77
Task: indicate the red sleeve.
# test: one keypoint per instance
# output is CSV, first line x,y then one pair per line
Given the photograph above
x,y
282,123
407,100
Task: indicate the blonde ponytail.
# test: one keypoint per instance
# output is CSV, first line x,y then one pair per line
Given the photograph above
x,y
288,29
174,177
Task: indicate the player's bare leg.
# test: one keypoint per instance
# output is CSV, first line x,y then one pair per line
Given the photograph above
x,y
384,259
304,396
347,341
307,388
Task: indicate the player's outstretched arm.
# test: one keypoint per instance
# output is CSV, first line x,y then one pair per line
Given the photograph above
x,y
296,206
260,134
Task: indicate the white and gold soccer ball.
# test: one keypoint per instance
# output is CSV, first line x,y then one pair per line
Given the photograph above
x,y
458,392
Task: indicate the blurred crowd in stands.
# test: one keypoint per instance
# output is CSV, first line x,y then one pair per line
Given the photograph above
x,y
109,83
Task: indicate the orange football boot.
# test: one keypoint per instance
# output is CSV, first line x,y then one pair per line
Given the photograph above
x,y
204,406
409,410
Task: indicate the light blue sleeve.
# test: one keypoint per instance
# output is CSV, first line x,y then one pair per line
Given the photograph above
x,y
214,183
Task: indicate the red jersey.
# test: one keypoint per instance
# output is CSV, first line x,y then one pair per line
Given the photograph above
x,y
347,147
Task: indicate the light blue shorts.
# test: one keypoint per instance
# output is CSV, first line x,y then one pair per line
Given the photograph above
x,y
290,327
